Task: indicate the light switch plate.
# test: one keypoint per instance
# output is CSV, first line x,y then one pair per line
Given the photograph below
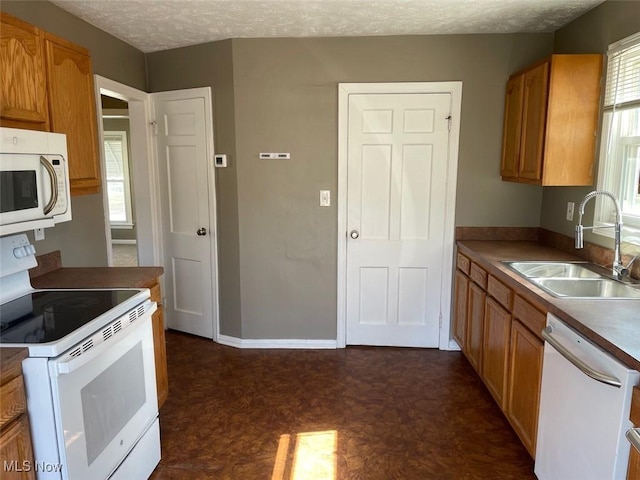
x,y
325,198
570,206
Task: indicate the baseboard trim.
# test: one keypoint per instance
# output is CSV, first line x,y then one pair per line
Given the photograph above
x,y
453,346
284,343
123,241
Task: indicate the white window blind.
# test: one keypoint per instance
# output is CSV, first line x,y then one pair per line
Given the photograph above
x,y
623,74
619,169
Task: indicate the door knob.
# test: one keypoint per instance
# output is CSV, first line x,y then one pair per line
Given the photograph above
x,y
354,234
201,231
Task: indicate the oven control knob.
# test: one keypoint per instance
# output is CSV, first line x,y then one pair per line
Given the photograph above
x,y
20,252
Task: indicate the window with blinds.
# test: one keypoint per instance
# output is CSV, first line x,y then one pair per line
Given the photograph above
x,y
619,170
118,183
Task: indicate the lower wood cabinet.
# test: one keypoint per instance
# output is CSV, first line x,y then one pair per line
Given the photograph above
x,y
159,346
460,312
634,465
16,453
495,349
500,334
633,473
475,325
525,373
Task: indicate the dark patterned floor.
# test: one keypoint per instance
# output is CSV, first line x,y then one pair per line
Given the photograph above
x,y
355,413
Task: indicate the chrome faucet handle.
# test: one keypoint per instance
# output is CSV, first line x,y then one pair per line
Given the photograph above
x,y
622,270
628,267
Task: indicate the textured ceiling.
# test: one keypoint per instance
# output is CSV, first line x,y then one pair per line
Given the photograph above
x,y
152,25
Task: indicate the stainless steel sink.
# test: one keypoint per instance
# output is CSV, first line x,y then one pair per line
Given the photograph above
x,y
574,280
553,269
587,288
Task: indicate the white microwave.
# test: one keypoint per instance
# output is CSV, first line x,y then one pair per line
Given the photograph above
x,y
34,180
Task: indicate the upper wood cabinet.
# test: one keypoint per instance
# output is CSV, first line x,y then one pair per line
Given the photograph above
x,y
551,121
73,111
47,84
23,90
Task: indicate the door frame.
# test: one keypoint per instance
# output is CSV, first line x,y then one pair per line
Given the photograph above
x,y
144,169
344,91
206,93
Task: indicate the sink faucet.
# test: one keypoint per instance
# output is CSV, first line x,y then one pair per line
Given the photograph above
x,y
619,270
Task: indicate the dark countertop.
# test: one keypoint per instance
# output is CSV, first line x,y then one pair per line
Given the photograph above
x,y
613,325
98,277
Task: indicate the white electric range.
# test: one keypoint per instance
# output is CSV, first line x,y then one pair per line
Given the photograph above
x,y
89,376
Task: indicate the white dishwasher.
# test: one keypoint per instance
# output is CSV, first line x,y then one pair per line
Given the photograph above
x,y
585,401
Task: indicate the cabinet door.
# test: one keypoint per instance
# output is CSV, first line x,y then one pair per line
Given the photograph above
x,y
15,446
159,347
574,93
512,129
525,372
534,113
23,93
495,349
73,111
460,309
475,319
633,473
160,352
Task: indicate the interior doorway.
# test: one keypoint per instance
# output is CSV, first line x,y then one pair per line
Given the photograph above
x,y
119,189
129,175
397,164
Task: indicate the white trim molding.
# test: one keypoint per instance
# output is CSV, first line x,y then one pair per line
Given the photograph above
x,y
123,241
144,168
283,343
454,88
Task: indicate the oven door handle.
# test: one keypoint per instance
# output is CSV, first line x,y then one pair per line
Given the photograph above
x,y
62,367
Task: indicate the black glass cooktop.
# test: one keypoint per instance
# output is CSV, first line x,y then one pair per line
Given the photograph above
x,y
49,315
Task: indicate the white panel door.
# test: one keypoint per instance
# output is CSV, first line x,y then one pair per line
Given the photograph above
x,y
396,196
188,223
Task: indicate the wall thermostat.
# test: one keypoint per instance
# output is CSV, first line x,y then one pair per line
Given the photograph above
x,y
220,160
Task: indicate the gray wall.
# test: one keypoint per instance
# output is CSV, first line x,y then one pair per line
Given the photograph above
x,y
82,241
285,99
591,33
